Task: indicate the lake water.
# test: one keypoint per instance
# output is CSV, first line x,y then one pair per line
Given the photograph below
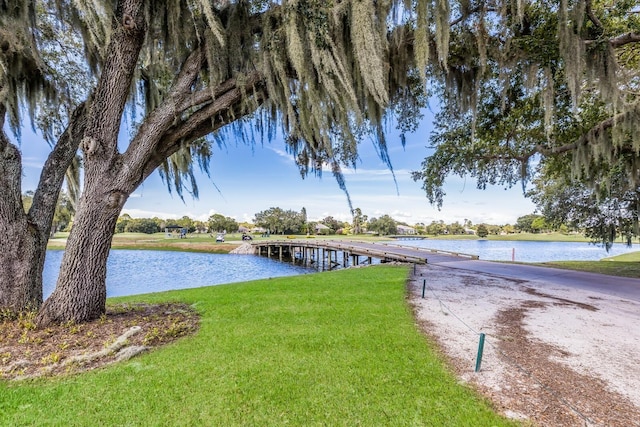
x,y
523,251
132,272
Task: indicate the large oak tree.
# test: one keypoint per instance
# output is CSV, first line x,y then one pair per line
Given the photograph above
x,y
321,70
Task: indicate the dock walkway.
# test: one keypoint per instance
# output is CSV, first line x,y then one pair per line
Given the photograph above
x,y
334,253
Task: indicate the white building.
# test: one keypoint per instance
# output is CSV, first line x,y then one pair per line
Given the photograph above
x,y
403,229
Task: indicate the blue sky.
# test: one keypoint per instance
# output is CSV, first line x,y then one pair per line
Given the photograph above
x,y
253,179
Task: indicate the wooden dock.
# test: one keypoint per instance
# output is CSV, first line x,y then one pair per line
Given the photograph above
x,y
330,254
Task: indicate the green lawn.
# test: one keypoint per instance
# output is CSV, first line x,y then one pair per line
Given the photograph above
x,y
625,265
334,348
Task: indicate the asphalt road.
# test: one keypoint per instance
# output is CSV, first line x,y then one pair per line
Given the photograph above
x,y
622,287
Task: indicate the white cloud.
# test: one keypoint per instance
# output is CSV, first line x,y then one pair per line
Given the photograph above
x,y
32,162
141,213
352,173
283,154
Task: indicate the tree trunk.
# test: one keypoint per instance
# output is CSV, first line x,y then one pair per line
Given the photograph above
x,y
23,244
81,293
25,235
22,254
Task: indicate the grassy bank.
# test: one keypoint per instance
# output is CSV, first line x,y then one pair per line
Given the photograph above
x,y
160,241
338,348
625,265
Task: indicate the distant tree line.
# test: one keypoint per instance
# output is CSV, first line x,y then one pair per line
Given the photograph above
x,y
63,215
127,224
279,221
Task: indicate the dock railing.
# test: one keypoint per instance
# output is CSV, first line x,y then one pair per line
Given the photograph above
x,y
384,251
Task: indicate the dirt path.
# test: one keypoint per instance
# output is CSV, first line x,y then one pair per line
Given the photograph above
x,y
553,355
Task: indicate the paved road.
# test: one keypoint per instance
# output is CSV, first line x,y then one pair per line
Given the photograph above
x,y
622,287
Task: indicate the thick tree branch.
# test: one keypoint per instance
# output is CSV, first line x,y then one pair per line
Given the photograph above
x,y
221,111
619,41
158,121
53,171
465,14
625,39
592,17
10,176
586,138
152,140
113,87
206,95
223,118
223,103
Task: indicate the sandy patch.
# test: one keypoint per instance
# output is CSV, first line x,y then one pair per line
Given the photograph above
x,y
553,355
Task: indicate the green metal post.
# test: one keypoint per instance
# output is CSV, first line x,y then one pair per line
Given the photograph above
x,y
480,349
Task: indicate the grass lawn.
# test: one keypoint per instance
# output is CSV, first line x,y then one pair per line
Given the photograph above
x,y
334,348
160,241
626,265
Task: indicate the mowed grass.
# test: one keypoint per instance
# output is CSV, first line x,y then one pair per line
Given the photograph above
x,y
335,348
625,265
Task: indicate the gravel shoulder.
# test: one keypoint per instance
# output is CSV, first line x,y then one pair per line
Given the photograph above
x,y
553,355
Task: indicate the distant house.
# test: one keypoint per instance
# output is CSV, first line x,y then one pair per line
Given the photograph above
x,y
469,231
403,229
322,229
